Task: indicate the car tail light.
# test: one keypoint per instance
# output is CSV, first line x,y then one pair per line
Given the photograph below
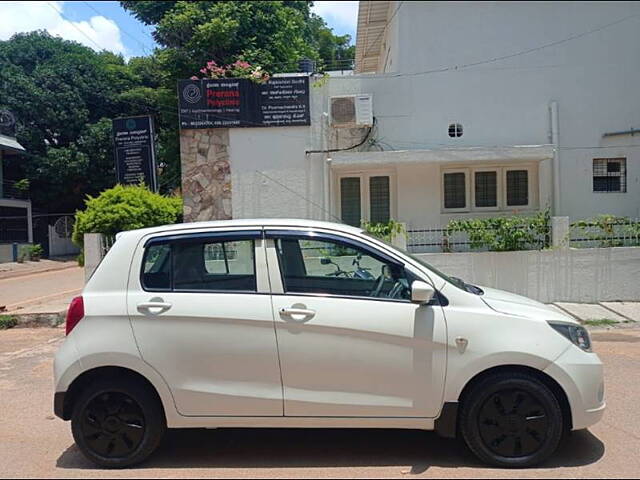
x,y
75,313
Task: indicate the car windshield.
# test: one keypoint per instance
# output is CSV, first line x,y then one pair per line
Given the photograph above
x,y
458,282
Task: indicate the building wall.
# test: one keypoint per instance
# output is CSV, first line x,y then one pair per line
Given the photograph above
x,y
500,103
569,275
506,101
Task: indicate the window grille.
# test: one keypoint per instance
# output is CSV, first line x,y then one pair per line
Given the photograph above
x,y
517,188
486,189
379,199
455,190
350,201
610,175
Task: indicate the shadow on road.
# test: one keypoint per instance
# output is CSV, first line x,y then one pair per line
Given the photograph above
x,y
273,448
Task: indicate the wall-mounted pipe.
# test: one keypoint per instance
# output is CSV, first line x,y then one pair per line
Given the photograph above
x,y
631,132
553,110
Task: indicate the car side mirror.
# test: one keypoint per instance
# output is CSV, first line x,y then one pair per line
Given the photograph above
x,y
325,261
421,292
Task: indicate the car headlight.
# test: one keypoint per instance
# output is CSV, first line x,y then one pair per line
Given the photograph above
x,y
576,334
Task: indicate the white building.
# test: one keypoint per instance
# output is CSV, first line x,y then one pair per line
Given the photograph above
x,y
481,109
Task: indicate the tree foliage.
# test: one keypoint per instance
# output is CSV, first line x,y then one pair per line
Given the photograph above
x,y
125,208
64,94
274,34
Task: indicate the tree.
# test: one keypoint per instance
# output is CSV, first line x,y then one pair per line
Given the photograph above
x,y
274,34
64,96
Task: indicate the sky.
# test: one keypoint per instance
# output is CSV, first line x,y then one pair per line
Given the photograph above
x,y
106,25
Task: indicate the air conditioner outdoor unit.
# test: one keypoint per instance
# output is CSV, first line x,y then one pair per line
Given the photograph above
x,y
351,111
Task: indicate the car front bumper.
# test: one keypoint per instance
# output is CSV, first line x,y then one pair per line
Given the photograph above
x,y
581,375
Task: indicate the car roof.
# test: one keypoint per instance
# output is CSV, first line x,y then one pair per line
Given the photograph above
x,y
243,223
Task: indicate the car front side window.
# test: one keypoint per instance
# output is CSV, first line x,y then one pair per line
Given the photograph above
x,y
331,267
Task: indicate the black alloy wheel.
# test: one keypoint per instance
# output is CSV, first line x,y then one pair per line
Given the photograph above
x,y
117,423
511,419
113,425
513,423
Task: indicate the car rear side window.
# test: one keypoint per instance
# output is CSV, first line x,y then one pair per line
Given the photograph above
x,y
214,266
199,264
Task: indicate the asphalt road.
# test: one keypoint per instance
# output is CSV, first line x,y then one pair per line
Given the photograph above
x,y
40,287
33,443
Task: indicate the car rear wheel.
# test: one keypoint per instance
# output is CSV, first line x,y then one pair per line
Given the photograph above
x,y
117,424
511,420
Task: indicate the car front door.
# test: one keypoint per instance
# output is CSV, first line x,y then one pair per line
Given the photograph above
x,y
201,314
351,343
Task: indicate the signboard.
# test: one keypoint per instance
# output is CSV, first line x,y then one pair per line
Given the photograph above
x,y
239,102
134,151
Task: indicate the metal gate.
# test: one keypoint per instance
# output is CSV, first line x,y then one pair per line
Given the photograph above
x,y
60,243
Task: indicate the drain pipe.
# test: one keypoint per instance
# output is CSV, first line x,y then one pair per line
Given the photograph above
x,y
553,107
327,188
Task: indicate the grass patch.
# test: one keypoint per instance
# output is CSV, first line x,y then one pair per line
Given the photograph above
x,y
602,322
7,321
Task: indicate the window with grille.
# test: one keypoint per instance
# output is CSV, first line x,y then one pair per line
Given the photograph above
x,y
455,194
486,189
455,130
610,175
517,188
379,199
350,204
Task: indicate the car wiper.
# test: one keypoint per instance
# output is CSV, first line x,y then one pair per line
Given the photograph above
x,y
468,287
474,289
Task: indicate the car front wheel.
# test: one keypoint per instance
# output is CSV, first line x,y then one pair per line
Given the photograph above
x,y
511,420
117,424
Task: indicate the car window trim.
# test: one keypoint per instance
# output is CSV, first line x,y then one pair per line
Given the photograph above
x,y
320,236
311,235
216,237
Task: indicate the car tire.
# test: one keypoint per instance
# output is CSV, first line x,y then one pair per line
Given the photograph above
x,y
117,423
511,420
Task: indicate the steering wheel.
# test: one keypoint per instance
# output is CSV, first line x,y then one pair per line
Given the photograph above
x,y
399,290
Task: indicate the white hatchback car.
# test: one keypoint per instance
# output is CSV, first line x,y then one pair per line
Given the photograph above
x,y
293,323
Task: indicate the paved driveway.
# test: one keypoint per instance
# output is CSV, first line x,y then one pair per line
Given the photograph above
x,y
35,444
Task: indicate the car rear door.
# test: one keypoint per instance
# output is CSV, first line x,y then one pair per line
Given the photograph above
x,y
351,344
200,309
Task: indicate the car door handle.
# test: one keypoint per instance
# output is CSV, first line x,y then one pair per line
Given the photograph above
x,y
297,312
147,306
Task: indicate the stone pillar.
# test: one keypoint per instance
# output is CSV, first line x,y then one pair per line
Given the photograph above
x,y
206,174
560,232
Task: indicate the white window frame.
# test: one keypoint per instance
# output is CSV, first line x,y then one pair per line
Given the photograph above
x,y
467,189
365,201
501,174
531,180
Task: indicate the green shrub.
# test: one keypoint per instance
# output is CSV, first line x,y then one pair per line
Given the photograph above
x,y
503,234
607,231
7,322
384,231
125,208
35,252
